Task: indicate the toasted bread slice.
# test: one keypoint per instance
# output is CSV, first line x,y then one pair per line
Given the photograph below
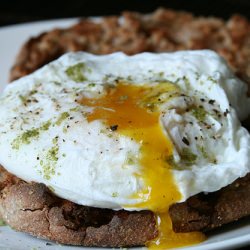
x,y
34,209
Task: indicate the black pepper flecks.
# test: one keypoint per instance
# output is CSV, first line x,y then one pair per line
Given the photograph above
x,y
185,140
226,112
113,127
211,102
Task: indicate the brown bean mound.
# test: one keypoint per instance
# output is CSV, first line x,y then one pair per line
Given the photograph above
x,y
32,208
163,30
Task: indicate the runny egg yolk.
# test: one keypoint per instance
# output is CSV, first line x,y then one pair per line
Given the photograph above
x,y
132,111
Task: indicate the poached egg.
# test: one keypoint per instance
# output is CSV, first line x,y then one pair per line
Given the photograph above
x,y
128,132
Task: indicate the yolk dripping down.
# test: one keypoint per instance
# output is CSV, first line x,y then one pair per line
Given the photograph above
x,y
126,106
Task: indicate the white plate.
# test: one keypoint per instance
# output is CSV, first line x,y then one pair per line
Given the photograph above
x,y
11,39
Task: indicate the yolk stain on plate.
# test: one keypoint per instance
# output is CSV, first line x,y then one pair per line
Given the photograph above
x,y
132,110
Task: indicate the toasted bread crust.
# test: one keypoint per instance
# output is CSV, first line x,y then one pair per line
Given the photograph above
x,y
206,212
7,179
33,208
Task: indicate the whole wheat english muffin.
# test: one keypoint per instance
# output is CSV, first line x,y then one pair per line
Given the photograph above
x,y
32,208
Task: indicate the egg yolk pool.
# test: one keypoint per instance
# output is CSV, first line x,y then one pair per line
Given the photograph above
x,y
133,111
